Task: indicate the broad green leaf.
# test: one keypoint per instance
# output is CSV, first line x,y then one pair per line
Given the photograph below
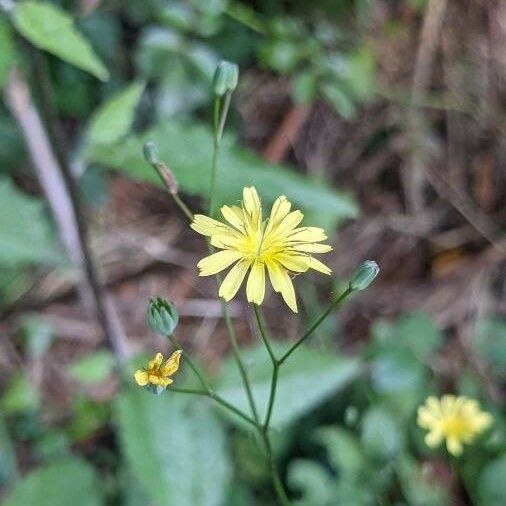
x,y
20,396
312,481
94,368
49,28
343,450
175,447
382,436
25,236
490,342
418,487
492,483
6,50
306,379
69,481
114,118
187,151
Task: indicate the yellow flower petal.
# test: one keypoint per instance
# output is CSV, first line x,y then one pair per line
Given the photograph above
x,y
280,209
208,226
282,283
233,279
255,287
312,248
141,377
172,364
294,262
234,216
155,362
217,262
251,202
308,234
318,266
454,446
433,438
154,379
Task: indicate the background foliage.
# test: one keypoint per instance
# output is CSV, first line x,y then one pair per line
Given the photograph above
x,y
339,104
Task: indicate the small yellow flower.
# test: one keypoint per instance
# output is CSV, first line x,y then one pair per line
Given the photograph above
x,y
253,245
457,419
157,374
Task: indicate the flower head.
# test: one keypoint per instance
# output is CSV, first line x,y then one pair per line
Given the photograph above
x,y
251,244
457,419
157,374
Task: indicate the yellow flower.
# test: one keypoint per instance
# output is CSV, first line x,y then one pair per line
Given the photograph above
x,y
157,374
456,419
251,244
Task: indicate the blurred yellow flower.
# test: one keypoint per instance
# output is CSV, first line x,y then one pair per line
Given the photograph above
x,y
457,419
277,244
156,373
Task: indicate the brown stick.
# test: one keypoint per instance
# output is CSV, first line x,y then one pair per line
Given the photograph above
x,y
62,200
287,133
412,173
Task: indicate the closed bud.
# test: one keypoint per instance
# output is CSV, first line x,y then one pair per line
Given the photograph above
x,y
364,275
226,78
151,153
162,317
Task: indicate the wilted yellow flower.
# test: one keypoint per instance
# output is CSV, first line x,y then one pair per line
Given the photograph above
x,y
457,419
253,245
156,373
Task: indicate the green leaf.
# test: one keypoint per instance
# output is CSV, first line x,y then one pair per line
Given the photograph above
x,y
382,435
187,151
313,482
306,379
20,396
52,29
343,449
491,483
114,118
94,368
23,226
490,342
70,481
6,50
419,488
175,447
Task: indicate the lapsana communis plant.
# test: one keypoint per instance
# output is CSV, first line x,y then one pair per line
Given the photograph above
x,y
251,246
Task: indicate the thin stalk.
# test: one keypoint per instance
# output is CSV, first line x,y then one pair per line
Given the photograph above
x,y
184,208
263,334
276,480
206,389
275,367
237,356
316,323
219,118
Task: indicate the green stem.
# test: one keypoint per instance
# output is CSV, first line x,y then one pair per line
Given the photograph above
x,y
237,356
263,334
276,480
184,208
217,398
316,323
219,118
275,366
207,390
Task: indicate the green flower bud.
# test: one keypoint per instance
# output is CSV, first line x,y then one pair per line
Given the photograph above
x,y
161,317
226,78
151,153
364,275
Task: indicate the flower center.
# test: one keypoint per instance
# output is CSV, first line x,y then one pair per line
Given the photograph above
x,y
455,426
